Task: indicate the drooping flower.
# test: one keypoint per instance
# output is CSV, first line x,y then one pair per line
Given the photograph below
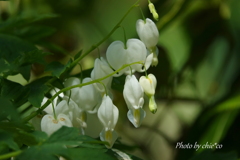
x,y
119,54
50,124
68,107
86,97
100,70
133,95
148,33
149,84
108,116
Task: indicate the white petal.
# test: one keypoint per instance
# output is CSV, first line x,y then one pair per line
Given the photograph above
x,y
110,136
136,51
71,82
147,32
116,55
108,113
132,92
101,69
88,97
148,84
136,116
50,125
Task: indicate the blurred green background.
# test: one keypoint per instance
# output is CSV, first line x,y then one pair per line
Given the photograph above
x,y
198,90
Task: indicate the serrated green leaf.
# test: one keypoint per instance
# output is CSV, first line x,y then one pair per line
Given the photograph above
x,y
6,138
37,89
57,68
12,47
121,155
33,56
25,71
40,136
18,55
36,94
20,132
45,152
56,145
7,109
90,154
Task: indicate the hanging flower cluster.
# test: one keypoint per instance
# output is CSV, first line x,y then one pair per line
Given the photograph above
x,y
95,98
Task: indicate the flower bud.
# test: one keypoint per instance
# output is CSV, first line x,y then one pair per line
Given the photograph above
x,y
148,84
108,116
153,11
152,105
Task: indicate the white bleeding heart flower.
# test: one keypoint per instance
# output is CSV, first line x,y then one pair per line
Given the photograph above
x,y
149,84
133,95
49,124
86,97
118,55
108,116
49,108
68,107
148,33
100,70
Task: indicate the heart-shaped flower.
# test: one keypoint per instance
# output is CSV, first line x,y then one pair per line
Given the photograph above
x,y
49,124
148,84
119,54
133,95
108,116
147,32
100,70
86,97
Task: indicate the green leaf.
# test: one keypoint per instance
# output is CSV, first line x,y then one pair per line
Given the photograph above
x,y
90,154
6,138
121,155
208,154
36,90
3,66
57,68
33,56
20,132
18,55
56,145
12,47
45,152
7,109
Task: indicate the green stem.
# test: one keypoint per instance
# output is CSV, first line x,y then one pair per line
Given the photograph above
x,y
9,155
125,38
105,88
104,39
97,45
26,119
